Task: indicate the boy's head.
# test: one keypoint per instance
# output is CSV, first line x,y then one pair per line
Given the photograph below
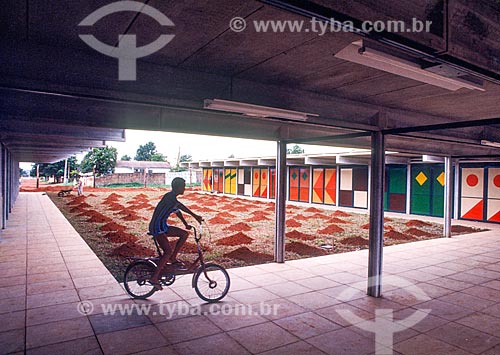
x,y
178,185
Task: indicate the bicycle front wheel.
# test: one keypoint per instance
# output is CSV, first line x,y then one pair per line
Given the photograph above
x,y
213,285
136,279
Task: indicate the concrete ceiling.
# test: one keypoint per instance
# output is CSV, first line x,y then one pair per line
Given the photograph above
x,y
49,76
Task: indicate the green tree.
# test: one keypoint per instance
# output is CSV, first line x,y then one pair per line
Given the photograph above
x,y
54,169
296,149
145,152
185,157
158,157
125,158
104,160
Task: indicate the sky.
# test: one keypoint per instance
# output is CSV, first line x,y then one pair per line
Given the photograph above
x,y
200,147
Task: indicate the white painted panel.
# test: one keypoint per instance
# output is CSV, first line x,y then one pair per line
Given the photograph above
x,y
360,199
346,179
494,183
472,182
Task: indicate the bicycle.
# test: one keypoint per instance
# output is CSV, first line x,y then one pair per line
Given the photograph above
x,y
210,281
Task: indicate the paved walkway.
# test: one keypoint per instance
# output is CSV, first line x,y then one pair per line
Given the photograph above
x,y
47,269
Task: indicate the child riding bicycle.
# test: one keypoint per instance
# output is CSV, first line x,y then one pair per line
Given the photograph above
x,y
160,230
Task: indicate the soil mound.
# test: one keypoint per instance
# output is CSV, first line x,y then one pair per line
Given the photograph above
x,y
463,229
77,209
293,224
313,210
235,239
239,227
338,221
120,237
318,216
304,249
98,218
331,229
249,256
116,207
355,241
204,209
241,208
91,195
398,236
112,227
341,214
417,223
258,218
76,200
226,215
300,217
131,249
218,220
84,205
418,232
299,235
131,216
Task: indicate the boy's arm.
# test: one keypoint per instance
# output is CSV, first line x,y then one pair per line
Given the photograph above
x,y
187,210
181,217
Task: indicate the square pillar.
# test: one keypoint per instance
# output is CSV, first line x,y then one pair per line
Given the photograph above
x,y
281,178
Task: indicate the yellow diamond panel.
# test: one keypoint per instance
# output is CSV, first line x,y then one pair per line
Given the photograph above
x,y
421,178
440,178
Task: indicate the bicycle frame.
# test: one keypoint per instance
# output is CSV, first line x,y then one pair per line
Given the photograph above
x,y
194,265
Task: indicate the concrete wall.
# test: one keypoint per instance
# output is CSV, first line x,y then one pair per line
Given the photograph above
x,y
9,184
155,178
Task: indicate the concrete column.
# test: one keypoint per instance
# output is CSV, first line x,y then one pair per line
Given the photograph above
x,y
279,237
408,188
456,191
376,242
448,207
2,187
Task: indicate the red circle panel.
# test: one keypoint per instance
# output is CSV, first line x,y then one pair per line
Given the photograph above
x,y
264,175
256,175
496,180
472,180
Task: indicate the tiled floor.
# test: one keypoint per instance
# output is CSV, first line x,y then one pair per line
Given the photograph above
x,y
440,297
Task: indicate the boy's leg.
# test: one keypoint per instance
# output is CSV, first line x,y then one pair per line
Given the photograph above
x,y
182,235
163,242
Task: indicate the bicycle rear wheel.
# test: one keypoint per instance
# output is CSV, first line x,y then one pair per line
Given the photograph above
x,y
136,279
215,287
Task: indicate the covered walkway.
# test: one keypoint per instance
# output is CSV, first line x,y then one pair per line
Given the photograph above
x,y
47,270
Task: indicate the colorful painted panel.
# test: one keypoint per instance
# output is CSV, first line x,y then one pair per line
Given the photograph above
x,y
472,194
304,184
427,189
318,185
233,182
207,179
263,182
294,184
244,186
218,178
493,207
256,182
395,189
272,183
227,181
330,186
346,197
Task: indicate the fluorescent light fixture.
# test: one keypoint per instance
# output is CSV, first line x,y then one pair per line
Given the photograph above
x,y
358,53
255,110
490,143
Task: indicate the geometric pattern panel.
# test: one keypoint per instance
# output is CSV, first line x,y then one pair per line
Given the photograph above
x,y
294,179
230,181
473,182
263,182
330,186
272,182
318,185
493,210
304,184
472,208
360,179
256,182
346,198
494,183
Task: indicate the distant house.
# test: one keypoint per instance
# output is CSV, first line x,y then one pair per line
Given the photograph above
x,y
132,166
